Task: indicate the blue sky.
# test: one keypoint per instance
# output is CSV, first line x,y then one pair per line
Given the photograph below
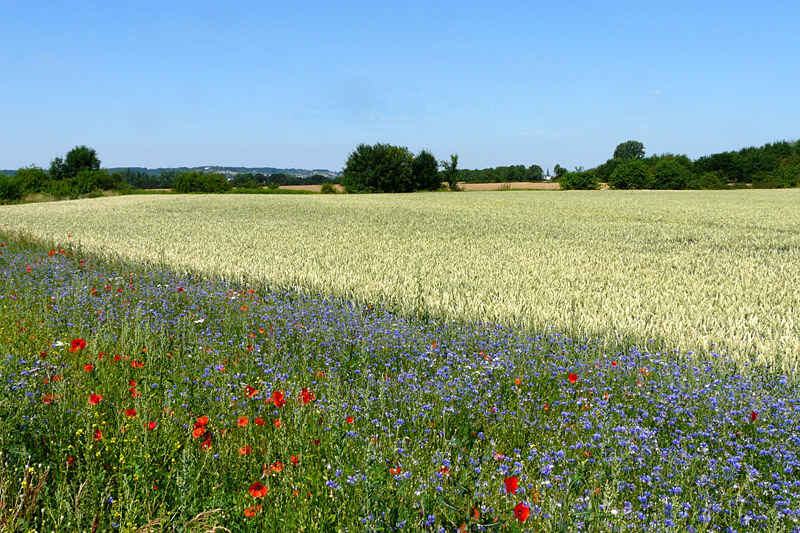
x,y
300,84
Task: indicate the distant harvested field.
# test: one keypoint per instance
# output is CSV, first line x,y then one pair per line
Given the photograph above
x,y
714,270
522,185
312,188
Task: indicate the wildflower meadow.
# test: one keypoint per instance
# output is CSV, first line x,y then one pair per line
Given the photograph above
x,y
140,398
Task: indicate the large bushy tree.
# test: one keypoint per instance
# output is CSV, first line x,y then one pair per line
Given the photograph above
x,y
379,168
425,172
78,159
629,150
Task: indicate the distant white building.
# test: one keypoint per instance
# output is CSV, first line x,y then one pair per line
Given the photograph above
x,y
548,177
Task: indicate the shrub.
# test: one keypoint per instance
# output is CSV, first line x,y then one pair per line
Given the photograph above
x,y
32,179
708,180
328,188
631,174
585,180
10,189
669,174
194,181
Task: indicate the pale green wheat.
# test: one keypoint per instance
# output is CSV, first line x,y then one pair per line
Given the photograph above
x,y
686,269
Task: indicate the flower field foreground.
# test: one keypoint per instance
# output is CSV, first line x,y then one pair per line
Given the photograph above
x,y
690,270
140,400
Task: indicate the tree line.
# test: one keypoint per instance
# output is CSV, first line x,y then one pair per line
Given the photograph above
x,y
773,165
78,174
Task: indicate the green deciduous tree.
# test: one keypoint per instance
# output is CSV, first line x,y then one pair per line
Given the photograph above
x,y
670,174
631,174
450,172
629,150
534,173
559,171
378,168
425,172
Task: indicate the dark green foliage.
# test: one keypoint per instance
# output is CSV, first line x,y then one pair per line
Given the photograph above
x,y
194,181
579,180
10,189
328,188
670,174
143,180
32,179
450,173
559,171
379,168
425,172
57,169
87,181
631,174
786,175
629,150
79,159
604,171
707,180
513,173
535,173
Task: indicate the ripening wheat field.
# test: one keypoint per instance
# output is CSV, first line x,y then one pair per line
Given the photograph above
x,y
688,270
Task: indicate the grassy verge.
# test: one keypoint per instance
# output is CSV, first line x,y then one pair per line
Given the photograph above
x,y
136,397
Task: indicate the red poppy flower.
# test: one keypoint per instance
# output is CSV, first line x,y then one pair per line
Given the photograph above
x,y
244,450
613,363
134,392
198,432
98,434
257,490
137,364
206,444
306,396
276,467
395,471
202,421
573,378
349,419
77,345
250,391
250,512
242,422
517,381
88,367
259,421
295,460
511,485
131,383
277,422
279,398
70,460
94,399
130,413
753,416
522,512
151,426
